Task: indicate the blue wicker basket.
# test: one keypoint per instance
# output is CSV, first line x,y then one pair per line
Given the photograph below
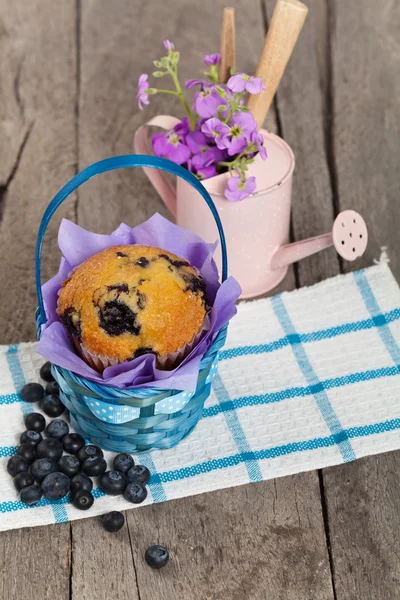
x,y
154,427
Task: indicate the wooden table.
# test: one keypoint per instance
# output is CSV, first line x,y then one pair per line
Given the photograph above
x,y
68,76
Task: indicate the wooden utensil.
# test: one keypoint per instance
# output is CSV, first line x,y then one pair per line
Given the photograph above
x,y
286,23
228,50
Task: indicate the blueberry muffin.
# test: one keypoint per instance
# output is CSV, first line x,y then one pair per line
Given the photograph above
x,y
127,301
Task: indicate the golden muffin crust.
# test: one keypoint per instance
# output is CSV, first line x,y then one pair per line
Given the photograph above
x,y
131,300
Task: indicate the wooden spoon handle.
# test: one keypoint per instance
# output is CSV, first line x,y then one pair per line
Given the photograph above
x,y
286,23
228,51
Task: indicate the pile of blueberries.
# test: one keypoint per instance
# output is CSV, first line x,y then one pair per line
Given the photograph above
x,y
42,469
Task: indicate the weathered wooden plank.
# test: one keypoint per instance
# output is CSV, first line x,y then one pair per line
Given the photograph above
x,y
118,42
37,156
362,498
257,542
102,566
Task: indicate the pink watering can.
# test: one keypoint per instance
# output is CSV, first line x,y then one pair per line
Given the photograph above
x,y
256,228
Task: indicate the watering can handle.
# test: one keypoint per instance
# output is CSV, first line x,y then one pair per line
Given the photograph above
x,y
158,179
110,164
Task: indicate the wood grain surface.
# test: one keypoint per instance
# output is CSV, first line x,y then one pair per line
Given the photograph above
x,y
68,76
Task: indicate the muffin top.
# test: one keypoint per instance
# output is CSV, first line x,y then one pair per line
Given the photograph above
x,y
127,301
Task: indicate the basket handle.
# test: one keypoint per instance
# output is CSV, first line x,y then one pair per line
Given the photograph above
x,y
110,164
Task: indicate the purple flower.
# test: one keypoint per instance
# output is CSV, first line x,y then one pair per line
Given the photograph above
x,y
241,82
216,129
193,83
206,103
196,141
241,126
212,59
168,45
169,145
207,156
142,96
238,190
183,127
206,172
257,139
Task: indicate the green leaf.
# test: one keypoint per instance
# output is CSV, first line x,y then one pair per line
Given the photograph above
x,y
233,70
158,74
222,107
242,108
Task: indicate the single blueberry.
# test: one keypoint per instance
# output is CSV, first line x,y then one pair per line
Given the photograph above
x,y
17,464
72,443
31,495
135,492
27,451
156,556
69,465
23,479
90,451
81,482
94,466
35,421
123,462
31,437
113,482
138,474
32,392
45,372
55,486
49,448
52,406
113,521
83,500
42,467
52,388
57,429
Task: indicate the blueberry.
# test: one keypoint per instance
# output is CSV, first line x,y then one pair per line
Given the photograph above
x,y
94,466
43,467
17,464
32,392
123,462
90,451
23,479
72,443
31,494
69,465
55,486
113,521
50,448
135,492
83,500
138,474
81,482
156,556
52,406
31,437
52,388
45,372
27,451
57,429
113,482
35,421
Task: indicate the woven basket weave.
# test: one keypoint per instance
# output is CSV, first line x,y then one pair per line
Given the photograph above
x,y
153,428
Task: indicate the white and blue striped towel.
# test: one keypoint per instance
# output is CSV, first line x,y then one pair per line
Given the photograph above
x,y
306,380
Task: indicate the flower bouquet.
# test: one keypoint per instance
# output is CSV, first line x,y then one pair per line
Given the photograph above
x,y
218,133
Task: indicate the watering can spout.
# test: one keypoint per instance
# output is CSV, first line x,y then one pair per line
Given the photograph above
x,y
349,236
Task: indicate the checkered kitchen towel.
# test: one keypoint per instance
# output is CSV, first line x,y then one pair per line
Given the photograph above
x,y
307,379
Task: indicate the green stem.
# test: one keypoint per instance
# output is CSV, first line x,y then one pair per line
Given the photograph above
x,y
167,92
182,98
